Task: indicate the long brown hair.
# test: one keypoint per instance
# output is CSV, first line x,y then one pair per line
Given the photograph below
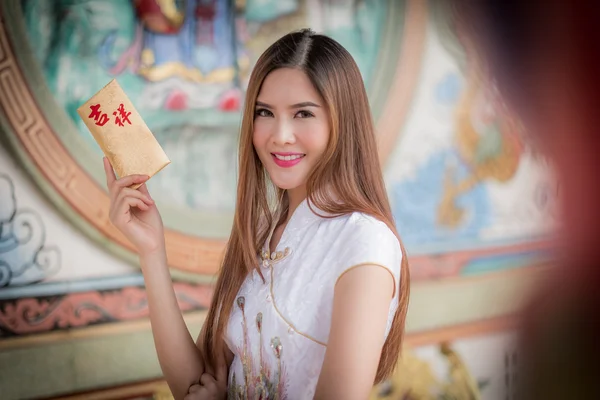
x,y
350,169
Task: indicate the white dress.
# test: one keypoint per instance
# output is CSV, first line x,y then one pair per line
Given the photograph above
x,y
278,329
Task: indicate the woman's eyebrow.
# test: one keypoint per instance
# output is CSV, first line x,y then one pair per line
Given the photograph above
x,y
297,105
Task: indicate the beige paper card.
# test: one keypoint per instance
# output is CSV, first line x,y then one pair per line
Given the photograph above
x,y
122,134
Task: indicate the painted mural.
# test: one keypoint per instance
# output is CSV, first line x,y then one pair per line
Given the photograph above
x,y
51,282
185,65
469,194
67,311
463,179
25,255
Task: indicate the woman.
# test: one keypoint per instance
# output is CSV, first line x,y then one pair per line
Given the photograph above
x,y
313,290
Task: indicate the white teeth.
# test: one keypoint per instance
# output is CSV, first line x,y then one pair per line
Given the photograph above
x,y
287,158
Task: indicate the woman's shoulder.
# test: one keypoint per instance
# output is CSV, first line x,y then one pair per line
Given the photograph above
x,y
363,227
359,237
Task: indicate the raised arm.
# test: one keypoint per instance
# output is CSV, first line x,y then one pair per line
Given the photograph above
x,y
179,357
134,213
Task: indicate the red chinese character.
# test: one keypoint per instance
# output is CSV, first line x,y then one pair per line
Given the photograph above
x,y
123,115
118,120
98,116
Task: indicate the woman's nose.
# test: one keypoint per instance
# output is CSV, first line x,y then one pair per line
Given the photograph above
x,y
284,133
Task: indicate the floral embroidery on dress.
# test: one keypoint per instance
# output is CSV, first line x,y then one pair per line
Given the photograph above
x,y
257,385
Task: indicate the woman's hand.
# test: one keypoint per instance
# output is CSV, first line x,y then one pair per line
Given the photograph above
x,y
211,387
133,212
208,389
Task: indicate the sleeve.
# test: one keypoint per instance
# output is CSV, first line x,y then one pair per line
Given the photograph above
x,y
368,241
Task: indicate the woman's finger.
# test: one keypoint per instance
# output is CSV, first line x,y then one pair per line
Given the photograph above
x,y
144,189
113,184
129,180
199,394
194,388
208,381
127,192
110,173
124,207
133,202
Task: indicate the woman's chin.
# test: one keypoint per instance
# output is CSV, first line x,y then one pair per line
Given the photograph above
x,y
286,184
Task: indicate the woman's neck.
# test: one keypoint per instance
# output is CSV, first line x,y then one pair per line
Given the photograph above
x,y
295,197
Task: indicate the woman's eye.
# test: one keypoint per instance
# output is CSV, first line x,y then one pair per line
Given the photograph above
x,y
262,112
304,114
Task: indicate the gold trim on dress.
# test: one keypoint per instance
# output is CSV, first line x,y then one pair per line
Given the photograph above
x,y
268,259
373,264
285,319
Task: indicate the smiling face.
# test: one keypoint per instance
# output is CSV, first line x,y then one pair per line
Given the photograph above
x,y
291,127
